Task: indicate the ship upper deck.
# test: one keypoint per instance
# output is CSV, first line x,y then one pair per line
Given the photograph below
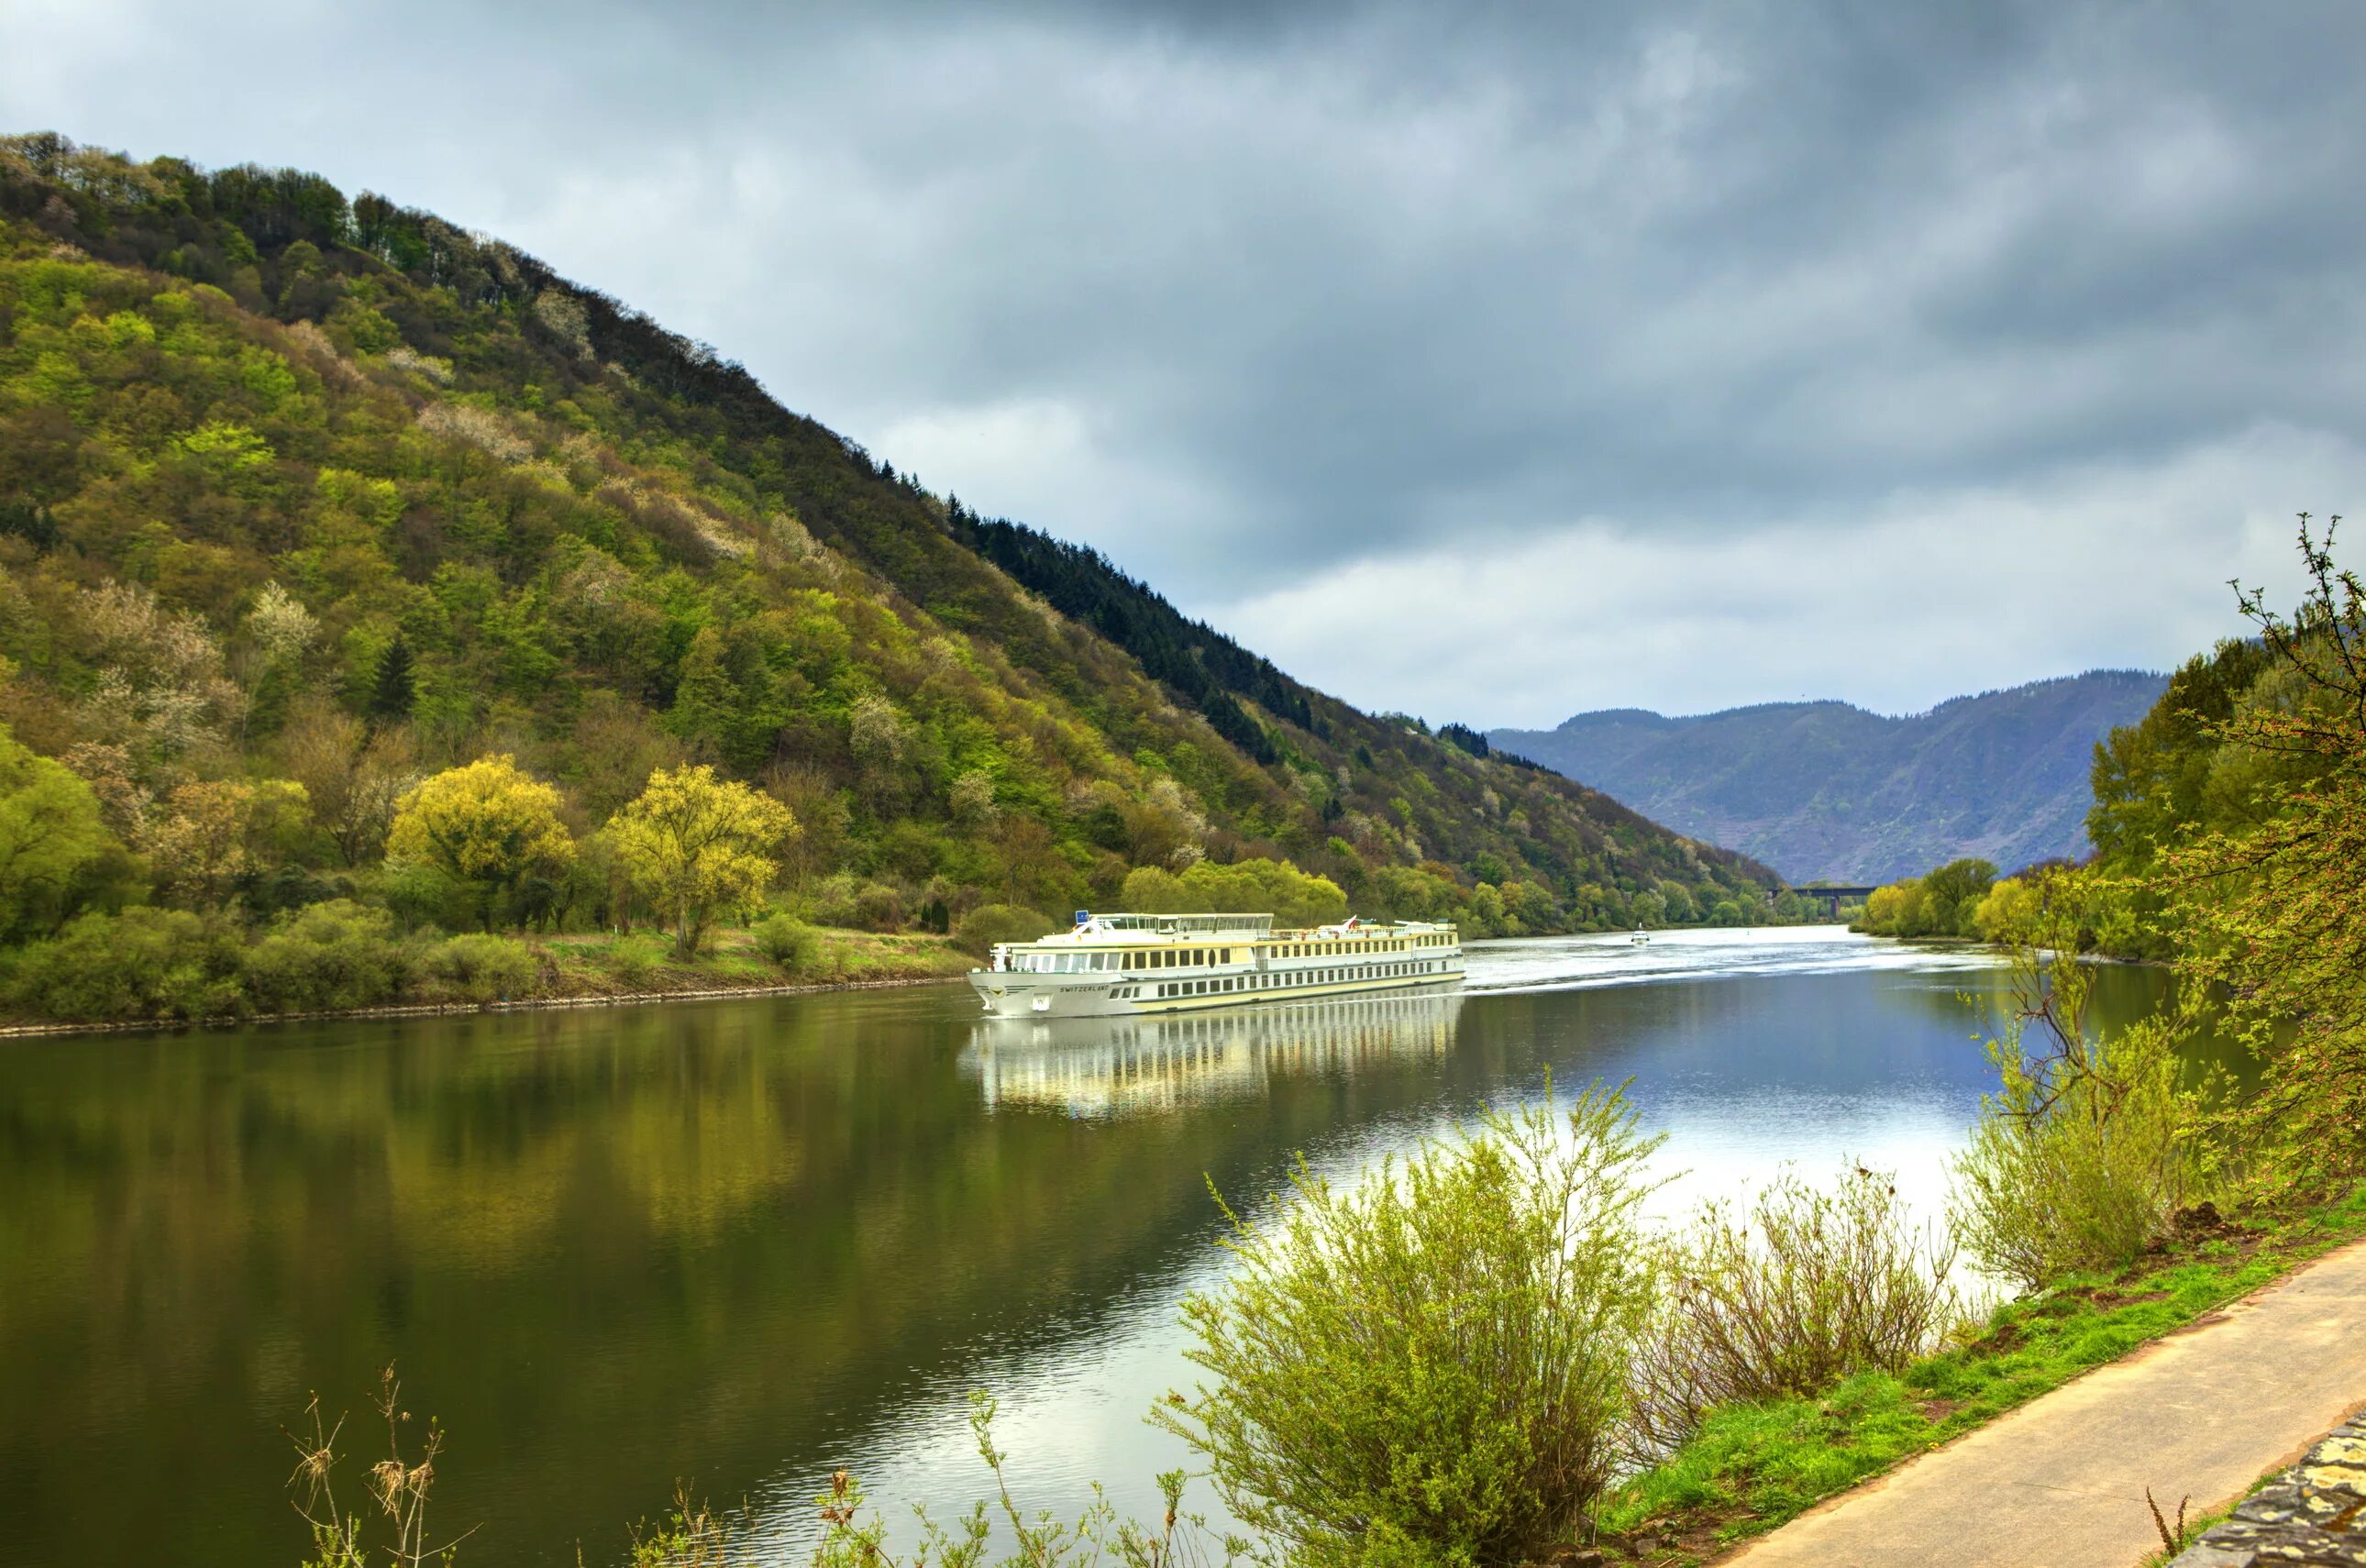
x,y
1215,928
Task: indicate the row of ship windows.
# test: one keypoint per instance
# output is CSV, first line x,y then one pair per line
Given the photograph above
x,y
1194,957
1337,949
1275,980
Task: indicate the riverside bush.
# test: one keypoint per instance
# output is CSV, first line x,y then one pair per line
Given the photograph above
x,y
629,963
334,954
2081,1174
142,963
988,924
1431,1366
481,968
2088,1145
787,942
1805,1288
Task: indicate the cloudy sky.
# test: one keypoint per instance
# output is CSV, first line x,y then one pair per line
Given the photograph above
x,y
1490,362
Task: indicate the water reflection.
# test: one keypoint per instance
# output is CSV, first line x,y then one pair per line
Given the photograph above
x,y
744,1243
1108,1066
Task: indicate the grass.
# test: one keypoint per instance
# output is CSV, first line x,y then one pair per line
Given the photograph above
x,y
1752,1467
641,963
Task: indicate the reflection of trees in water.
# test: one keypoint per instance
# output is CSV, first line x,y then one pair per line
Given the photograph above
x,y
1984,1002
609,1249
1105,1066
614,1247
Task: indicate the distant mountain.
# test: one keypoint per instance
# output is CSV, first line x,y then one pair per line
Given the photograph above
x,y
1829,791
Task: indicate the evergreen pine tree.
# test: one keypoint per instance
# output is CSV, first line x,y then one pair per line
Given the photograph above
x,y
393,689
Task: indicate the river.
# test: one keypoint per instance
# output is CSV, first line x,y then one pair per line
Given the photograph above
x,y
739,1244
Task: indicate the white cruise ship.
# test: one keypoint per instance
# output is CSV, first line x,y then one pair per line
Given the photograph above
x,y
1120,965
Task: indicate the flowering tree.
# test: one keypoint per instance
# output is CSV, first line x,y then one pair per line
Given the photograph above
x,y
692,843
488,825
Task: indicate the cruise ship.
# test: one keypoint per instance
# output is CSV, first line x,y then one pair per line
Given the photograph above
x,y
1123,964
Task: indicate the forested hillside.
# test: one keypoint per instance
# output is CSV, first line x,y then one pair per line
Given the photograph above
x,y
305,500
1829,791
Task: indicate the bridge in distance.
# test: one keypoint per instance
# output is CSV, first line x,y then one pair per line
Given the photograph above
x,y
1831,895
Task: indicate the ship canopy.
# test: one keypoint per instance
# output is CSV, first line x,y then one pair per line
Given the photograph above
x,y
1177,925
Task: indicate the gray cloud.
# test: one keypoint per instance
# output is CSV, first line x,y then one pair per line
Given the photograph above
x,y
1396,337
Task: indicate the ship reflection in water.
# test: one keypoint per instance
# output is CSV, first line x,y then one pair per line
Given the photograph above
x,y
1122,1066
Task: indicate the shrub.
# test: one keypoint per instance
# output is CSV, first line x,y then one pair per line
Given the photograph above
x,y
2075,1170
2087,1147
878,908
1809,1287
988,924
143,963
787,942
840,901
336,954
422,896
478,967
1431,1366
628,962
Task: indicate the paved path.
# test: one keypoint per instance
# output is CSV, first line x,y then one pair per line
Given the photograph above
x,y
2060,1481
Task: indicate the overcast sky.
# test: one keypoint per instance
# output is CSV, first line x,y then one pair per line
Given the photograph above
x,y
1489,362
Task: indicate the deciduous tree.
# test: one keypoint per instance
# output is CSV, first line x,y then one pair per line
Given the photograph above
x,y
56,855
488,825
212,833
351,775
692,843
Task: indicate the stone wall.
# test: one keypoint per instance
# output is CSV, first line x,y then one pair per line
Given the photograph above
x,y
2314,1513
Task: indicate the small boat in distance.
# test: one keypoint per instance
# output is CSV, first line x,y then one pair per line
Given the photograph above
x,y
1640,937
1118,964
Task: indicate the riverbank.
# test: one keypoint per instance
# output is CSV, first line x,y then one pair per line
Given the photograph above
x,y
605,970
1752,1469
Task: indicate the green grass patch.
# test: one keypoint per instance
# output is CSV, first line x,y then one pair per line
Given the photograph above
x,y
642,961
1752,1467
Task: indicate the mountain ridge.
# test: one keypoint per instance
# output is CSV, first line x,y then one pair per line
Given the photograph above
x,y
1822,789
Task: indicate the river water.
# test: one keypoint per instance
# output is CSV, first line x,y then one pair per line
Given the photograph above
x,y
739,1244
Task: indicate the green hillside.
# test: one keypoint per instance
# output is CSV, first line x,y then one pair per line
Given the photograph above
x,y
294,488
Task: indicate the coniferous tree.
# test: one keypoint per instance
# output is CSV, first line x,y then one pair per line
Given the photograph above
x,y
394,688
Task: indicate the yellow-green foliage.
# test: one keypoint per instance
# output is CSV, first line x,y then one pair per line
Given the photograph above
x,y
1292,896
2007,911
1944,903
988,924
56,855
2088,1146
694,844
299,488
1430,1367
486,823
